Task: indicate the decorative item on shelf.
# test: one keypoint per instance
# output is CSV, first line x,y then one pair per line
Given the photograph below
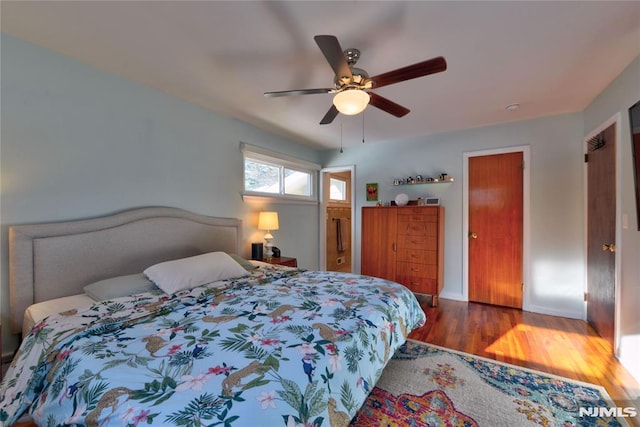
x,y
402,199
268,221
419,179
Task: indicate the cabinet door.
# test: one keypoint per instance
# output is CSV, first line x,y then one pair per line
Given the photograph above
x,y
378,253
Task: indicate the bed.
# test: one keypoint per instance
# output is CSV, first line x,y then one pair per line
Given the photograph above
x,y
213,340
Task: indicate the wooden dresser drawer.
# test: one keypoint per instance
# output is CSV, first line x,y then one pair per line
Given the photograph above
x,y
418,210
422,285
415,269
407,241
413,228
418,256
420,214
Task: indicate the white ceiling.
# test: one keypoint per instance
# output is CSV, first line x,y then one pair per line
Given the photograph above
x,y
550,57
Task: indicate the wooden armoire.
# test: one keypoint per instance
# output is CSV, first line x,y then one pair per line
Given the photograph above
x,y
405,244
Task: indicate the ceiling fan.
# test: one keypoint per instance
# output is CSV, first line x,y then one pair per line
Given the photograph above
x,y
353,85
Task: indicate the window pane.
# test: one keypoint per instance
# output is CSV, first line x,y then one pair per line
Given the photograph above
x,y
261,177
337,189
297,183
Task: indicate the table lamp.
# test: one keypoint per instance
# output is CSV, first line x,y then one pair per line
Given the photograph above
x,y
268,221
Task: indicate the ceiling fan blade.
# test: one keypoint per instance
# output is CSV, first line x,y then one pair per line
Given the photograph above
x,y
331,49
387,105
297,92
430,66
331,114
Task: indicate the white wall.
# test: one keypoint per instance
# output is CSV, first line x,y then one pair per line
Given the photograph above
x,y
557,278
77,142
621,94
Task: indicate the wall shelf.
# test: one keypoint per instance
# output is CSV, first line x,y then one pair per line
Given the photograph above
x,y
423,182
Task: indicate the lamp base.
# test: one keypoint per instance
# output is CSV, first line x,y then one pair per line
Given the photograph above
x,y
269,247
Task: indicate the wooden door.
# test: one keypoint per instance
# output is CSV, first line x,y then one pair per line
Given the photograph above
x,y
337,193
378,253
495,229
601,229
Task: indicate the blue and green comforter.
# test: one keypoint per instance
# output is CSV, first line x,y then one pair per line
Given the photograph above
x,y
276,348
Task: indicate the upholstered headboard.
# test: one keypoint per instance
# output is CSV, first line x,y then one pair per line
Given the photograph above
x,y
54,260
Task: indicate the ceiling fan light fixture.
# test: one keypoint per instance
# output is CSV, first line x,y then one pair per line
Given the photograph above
x,y
351,101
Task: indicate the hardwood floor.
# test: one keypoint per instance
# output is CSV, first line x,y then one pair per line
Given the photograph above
x,y
556,345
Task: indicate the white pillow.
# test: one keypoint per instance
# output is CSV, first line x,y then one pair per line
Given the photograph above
x,y
187,273
120,286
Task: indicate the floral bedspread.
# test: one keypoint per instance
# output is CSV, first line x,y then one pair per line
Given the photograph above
x,y
276,348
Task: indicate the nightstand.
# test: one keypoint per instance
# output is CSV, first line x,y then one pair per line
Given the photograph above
x,y
283,260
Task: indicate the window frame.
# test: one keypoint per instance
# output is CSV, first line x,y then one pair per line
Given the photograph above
x,y
282,161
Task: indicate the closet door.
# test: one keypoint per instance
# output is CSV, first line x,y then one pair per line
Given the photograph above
x,y
378,252
495,229
601,234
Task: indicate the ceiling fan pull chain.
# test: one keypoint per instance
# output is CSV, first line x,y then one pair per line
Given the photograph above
x,y
363,127
341,151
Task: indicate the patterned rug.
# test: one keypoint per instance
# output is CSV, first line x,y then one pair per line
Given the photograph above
x,y
425,385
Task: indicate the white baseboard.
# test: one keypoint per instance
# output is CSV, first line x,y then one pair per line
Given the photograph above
x,y
453,296
532,308
551,312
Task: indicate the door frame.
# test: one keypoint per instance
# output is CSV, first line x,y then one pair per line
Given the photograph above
x,y
525,217
617,122
323,211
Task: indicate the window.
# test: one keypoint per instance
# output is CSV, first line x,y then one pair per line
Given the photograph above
x,y
337,189
269,174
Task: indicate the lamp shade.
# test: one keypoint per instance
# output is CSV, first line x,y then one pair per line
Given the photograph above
x,y
268,221
351,101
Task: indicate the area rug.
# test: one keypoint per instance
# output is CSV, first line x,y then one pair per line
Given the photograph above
x,y
426,385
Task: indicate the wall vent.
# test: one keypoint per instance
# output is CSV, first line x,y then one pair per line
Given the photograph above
x,y
596,142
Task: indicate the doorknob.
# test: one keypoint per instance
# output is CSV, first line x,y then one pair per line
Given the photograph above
x,y
610,247
473,235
